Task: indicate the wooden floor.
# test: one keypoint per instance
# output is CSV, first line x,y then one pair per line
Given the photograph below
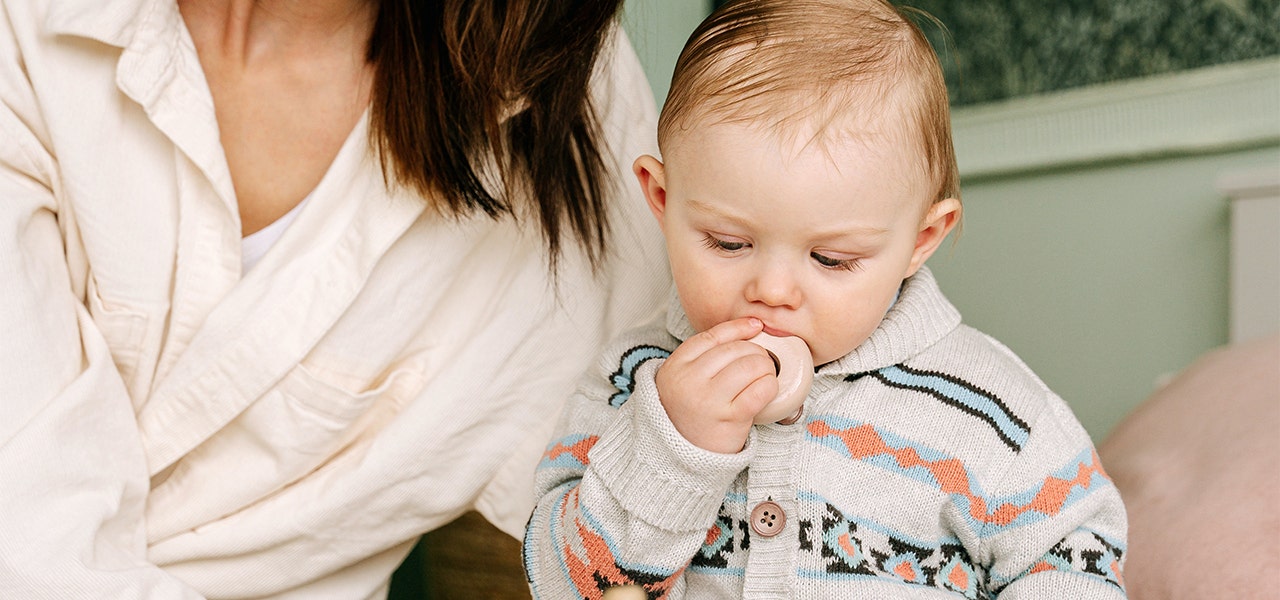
x,y
468,559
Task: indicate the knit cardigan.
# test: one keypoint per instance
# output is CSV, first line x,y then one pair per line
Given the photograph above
x,y
930,462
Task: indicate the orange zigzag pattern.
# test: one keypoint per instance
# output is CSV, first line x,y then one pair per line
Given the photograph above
x,y
864,441
578,449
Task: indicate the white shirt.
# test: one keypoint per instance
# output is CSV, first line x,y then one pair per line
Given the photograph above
x,y
171,429
255,245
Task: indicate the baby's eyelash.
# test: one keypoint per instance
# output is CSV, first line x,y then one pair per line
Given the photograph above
x,y
835,264
714,243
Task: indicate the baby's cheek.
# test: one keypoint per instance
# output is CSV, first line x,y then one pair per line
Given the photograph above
x,y
701,321
705,308
841,338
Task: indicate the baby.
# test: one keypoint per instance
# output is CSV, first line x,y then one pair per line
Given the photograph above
x,y
808,175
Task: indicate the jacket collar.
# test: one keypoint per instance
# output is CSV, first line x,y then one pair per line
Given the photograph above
x,y
113,22
920,317
159,69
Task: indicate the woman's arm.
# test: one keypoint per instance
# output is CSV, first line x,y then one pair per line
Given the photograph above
x,y
74,481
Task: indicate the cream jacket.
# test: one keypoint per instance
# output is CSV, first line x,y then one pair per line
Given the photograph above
x,y
171,429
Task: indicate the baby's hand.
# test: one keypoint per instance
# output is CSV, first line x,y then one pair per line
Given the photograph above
x,y
713,385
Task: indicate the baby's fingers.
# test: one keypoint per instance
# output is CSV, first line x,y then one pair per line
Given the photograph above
x,y
748,383
728,331
761,389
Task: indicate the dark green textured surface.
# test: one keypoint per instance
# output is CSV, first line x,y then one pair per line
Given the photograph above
x,y
1005,48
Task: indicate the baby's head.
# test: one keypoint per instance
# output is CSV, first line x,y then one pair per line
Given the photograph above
x,y
819,68
809,167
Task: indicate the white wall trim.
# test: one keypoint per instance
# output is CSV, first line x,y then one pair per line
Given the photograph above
x,y
1190,112
1254,296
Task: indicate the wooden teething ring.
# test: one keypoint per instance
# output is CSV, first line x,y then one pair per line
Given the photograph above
x,y
793,365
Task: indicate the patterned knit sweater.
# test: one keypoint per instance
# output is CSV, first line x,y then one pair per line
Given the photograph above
x,y
929,463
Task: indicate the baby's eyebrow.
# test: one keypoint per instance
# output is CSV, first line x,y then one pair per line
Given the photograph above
x,y
861,231
711,209
866,233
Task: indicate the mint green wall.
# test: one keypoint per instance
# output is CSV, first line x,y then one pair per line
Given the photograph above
x,y
1102,279
658,30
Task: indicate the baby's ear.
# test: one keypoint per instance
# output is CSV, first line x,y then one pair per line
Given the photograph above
x,y
938,221
653,182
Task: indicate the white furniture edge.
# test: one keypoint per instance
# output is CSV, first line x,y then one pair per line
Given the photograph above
x,y
1254,295
1190,112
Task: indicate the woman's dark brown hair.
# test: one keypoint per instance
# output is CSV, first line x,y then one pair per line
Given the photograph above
x,y
464,87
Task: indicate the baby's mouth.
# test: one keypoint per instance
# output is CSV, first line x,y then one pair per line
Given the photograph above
x,y
778,332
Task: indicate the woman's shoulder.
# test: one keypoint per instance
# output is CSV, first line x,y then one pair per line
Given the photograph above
x,y
621,91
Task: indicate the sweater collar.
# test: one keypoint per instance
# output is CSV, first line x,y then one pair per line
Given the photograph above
x,y
921,316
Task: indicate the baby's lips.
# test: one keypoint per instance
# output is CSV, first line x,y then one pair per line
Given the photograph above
x,y
778,333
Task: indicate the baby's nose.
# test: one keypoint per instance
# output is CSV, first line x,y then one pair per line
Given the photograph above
x,y
774,285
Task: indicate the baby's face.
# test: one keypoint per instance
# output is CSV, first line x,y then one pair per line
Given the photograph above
x,y
813,239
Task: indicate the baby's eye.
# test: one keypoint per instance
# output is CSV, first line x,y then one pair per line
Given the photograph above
x,y
731,246
849,264
716,243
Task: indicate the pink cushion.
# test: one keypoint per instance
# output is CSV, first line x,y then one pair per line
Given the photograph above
x,y
1198,464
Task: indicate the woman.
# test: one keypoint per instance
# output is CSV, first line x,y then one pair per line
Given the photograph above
x,y
285,284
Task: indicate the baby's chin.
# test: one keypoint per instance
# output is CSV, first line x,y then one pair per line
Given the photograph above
x,y
820,359
823,355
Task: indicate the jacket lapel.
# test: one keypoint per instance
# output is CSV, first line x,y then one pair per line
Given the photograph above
x,y
273,318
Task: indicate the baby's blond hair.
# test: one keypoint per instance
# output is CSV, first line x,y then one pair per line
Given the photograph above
x,y
780,63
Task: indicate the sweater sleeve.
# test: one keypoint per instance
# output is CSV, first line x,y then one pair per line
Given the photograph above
x,y
1056,526
622,498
